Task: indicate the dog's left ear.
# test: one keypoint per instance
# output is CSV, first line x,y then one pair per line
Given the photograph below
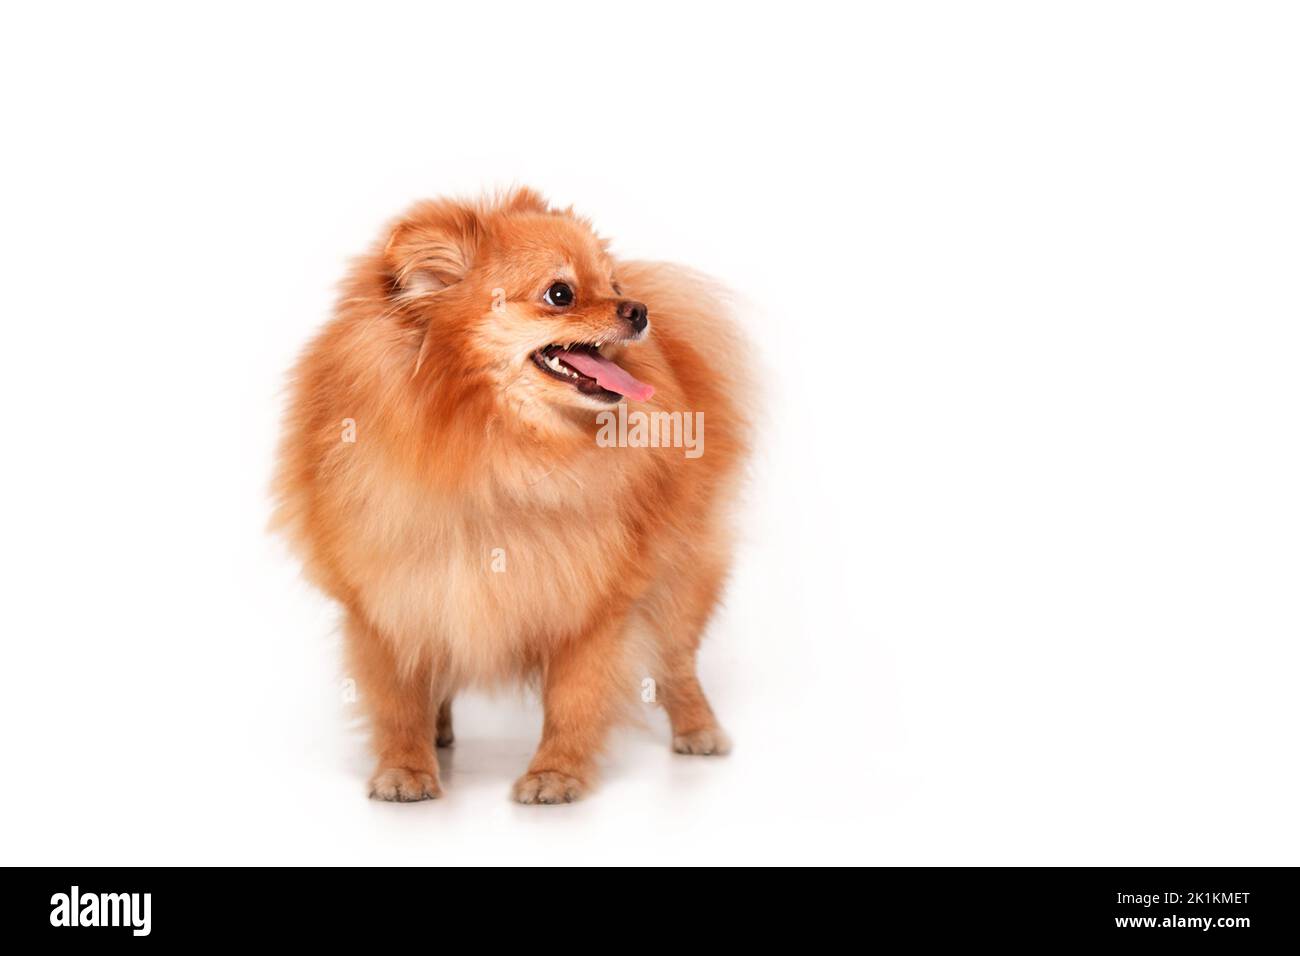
x,y
433,246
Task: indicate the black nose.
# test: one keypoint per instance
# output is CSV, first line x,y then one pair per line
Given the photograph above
x,y
635,313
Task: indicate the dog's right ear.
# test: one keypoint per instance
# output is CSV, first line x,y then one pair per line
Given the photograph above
x,y
432,247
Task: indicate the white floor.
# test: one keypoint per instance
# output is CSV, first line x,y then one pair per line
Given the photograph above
x,y
869,757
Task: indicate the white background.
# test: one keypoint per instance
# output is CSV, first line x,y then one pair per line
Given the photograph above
x,y
1019,574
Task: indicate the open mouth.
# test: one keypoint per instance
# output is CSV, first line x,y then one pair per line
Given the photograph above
x,y
582,366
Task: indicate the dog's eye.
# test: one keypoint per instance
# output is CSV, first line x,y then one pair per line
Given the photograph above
x,y
559,295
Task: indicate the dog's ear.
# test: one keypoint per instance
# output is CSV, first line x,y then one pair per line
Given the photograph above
x,y
433,247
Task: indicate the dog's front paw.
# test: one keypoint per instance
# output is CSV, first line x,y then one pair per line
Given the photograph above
x,y
709,741
547,786
404,786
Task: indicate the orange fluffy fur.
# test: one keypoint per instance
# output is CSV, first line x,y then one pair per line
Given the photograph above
x,y
474,531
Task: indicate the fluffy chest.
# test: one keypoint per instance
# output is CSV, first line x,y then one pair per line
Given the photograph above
x,y
483,584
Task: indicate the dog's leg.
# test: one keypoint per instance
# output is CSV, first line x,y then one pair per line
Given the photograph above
x,y
680,611
400,703
695,729
445,736
585,685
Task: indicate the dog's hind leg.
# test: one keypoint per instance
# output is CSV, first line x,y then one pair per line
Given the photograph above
x,y
444,735
678,612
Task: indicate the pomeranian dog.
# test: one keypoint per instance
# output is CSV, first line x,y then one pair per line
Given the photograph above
x,y
457,472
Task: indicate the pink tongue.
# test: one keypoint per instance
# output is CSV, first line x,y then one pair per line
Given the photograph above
x,y
607,374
